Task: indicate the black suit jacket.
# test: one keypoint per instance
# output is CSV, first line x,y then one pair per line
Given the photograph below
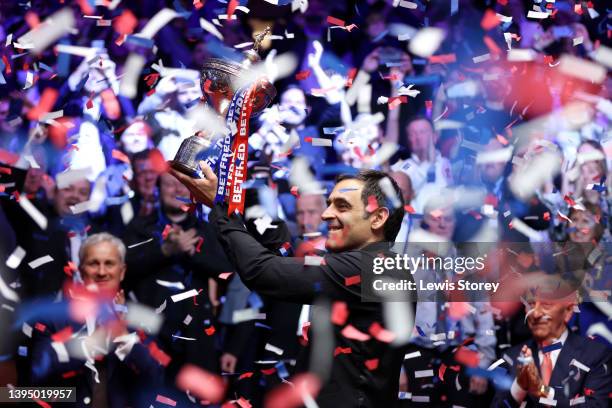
x,y
351,383
595,385
132,382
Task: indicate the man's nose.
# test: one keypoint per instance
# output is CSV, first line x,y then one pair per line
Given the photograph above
x,y
327,214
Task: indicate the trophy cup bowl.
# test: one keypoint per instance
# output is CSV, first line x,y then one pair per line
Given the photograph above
x,y
217,77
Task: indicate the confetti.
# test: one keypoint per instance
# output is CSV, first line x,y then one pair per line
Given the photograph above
x,y
537,14
339,313
582,69
54,27
14,260
426,41
40,261
350,332
184,295
201,383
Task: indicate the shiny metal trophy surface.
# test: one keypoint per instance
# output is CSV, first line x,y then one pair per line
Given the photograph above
x,y
216,80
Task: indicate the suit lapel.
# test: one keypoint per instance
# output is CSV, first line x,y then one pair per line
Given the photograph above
x,y
534,352
570,349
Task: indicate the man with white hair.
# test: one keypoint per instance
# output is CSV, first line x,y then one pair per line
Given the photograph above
x,y
93,350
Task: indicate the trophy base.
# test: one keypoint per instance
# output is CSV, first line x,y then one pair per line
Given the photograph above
x,y
185,169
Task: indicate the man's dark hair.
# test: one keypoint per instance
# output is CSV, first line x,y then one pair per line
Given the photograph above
x,y
371,180
420,117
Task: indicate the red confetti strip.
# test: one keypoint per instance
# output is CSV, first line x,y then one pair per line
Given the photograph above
x,y
339,313
7,66
380,333
294,191
40,327
305,329
210,331
372,204
248,374
335,21
225,275
5,170
489,20
244,403
47,100
350,332
352,280
372,364
342,350
199,244
119,155
443,59
158,354
231,7
63,335
125,23
300,76
165,400
441,372
467,357
198,4
69,374
268,371
409,209
32,20
491,45
42,403
351,77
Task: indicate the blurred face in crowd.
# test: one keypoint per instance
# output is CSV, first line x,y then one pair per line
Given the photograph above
x,y
582,226
292,107
170,188
421,138
75,193
145,177
187,93
440,222
102,265
199,55
492,172
592,170
405,184
135,138
547,318
35,175
348,223
309,210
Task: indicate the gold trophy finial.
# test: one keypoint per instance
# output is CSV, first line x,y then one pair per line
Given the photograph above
x,y
260,37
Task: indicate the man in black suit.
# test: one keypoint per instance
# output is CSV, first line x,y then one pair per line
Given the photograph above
x,y
556,367
109,365
364,369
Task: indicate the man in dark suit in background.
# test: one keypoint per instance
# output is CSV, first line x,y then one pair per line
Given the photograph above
x,y
115,369
364,369
556,367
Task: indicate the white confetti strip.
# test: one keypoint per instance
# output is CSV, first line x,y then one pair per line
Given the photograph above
x,y
187,320
420,398
579,365
311,260
26,329
80,207
166,284
414,354
578,400
60,350
184,295
210,27
140,243
161,307
40,261
603,55
548,401
423,373
426,41
245,315
274,349
521,55
481,58
7,292
537,14
496,364
319,141
183,338
143,317
129,83
582,69
52,29
14,260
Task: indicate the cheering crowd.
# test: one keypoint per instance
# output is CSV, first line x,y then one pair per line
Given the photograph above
x,y
395,124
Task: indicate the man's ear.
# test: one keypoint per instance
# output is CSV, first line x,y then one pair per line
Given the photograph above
x,y
378,218
122,274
